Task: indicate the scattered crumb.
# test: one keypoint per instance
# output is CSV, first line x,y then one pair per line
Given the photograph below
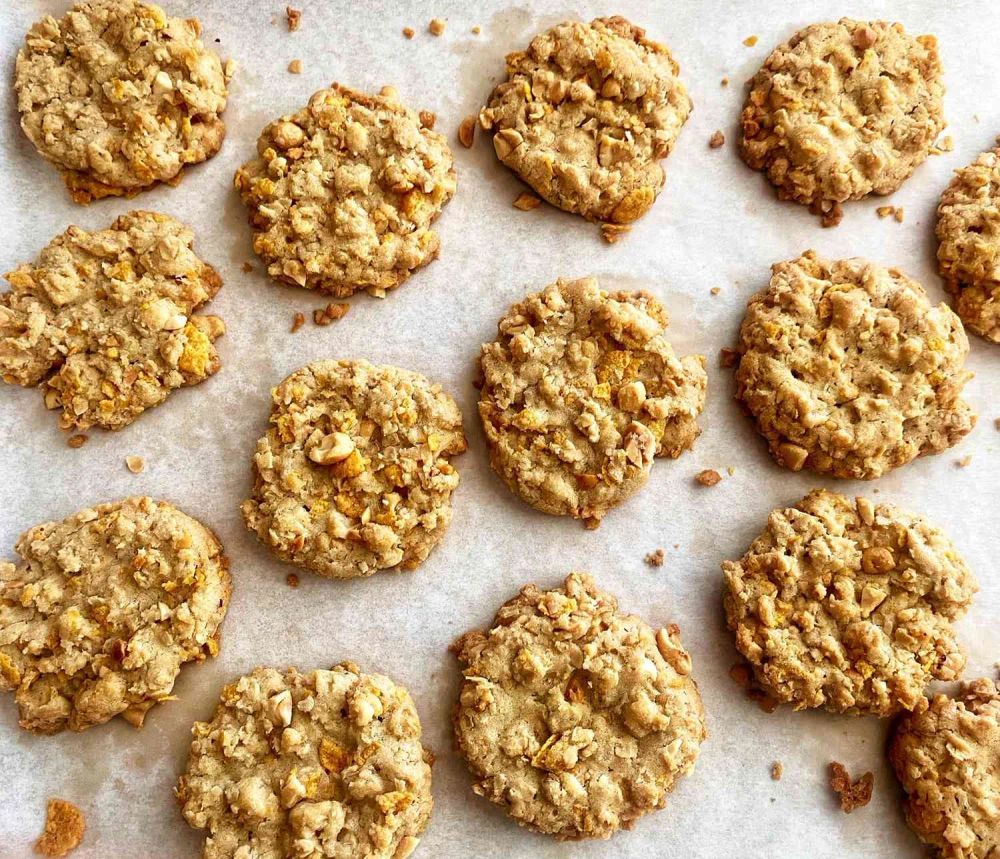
x,y
852,794
477,30
717,140
715,290
247,267
743,677
427,119
64,828
750,41
331,313
731,470
708,477
724,82
78,440
895,211
436,27
898,214
655,559
728,358
295,67
677,545
947,144
298,321
409,32
996,424
777,770
294,18
292,580
612,233
526,202
135,464
965,461
467,131
833,217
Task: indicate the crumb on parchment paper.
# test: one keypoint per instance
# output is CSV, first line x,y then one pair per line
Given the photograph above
x,y
292,580
467,131
294,18
295,67
750,41
777,770
64,828
428,119
964,462
409,32
742,675
247,267
436,27
852,794
331,313
135,464
526,202
78,440
728,358
708,477
612,233
715,290
298,321
717,140
655,558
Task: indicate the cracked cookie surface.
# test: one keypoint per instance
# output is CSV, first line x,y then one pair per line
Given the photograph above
x,y
105,322
585,116
847,605
119,96
326,763
574,717
103,609
842,110
343,193
849,370
968,233
947,758
354,475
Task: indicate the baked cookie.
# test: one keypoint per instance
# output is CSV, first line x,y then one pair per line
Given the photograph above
x,y
105,322
585,116
581,390
104,608
355,476
119,97
343,193
843,110
575,718
946,755
849,370
847,605
327,763
968,232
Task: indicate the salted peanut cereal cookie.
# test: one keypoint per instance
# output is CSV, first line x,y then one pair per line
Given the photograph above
x,y
102,610
586,115
354,475
343,193
575,718
843,110
946,755
581,390
968,232
327,763
847,605
118,96
105,322
849,370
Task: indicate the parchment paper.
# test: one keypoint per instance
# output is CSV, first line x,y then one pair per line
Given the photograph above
x,y
716,224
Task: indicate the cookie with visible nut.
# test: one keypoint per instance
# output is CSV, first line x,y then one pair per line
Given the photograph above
x,y
104,608
576,718
327,763
849,370
343,194
581,391
355,475
585,116
848,605
119,96
843,110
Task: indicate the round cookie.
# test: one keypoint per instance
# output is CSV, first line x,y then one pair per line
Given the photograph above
x,y
968,232
847,605
354,475
946,755
344,192
575,718
843,110
585,116
849,370
119,96
581,391
105,322
104,608
327,763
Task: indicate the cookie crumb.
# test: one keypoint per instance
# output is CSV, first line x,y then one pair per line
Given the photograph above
x,y
612,233
717,140
409,32
298,321
708,477
294,18
750,41
885,211
526,202
715,290
898,214
777,770
728,358
78,440
655,559
135,464
833,217
477,30
743,677
436,27
331,313
467,131
964,462
724,82
292,580
247,268
427,119
996,424
295,67
64,828
852,794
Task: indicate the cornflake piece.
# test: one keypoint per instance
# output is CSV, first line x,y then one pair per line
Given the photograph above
x,y
467,131
655,559
436,27
526,202
717,140
852,794
294,18
78,440
298,321
295,67
750,41
64,828
135,464
708,477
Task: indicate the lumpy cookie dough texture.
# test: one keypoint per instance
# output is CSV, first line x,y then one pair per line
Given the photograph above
x,y
343,193
119,96
327,763
354,475
585,116
849,370
581,390
105,322
947,757
104,608
968,232
842,110
846,605
574,717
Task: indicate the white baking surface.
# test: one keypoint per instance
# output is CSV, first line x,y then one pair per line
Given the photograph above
x,y
716,224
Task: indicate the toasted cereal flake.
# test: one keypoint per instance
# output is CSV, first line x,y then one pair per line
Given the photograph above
x,y
467,131
135,464
750,41
612,233
64,828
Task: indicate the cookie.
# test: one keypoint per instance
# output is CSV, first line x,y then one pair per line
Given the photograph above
x,y
327,763
118,96
849,370
105,322
581,390
848,605
844,110
343,193
947,758
586,115
574,717
968,233
104,608
354,475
